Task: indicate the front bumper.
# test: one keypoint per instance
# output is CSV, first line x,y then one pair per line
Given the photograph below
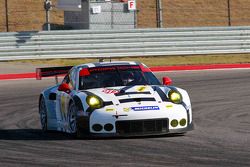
x,y
142,127
182,130
172,132
134,128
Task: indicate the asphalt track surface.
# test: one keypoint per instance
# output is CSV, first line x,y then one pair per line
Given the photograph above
x,y
220,99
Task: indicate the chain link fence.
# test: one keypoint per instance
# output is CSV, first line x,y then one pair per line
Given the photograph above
x,y
101,14
30,15
27,15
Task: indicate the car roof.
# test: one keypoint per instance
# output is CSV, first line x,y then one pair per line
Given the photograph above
x,y
103,64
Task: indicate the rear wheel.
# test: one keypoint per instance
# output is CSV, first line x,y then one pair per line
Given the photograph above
x,y
43,114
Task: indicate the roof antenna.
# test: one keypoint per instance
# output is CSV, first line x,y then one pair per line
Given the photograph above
x,y
56,79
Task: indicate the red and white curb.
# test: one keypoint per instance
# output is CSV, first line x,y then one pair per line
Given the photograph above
x,y
17,76
153,69
200,67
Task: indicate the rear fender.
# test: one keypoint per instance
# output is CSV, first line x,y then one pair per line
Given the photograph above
x,y
51,107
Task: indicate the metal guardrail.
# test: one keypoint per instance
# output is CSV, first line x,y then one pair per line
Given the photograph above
x,y
120,43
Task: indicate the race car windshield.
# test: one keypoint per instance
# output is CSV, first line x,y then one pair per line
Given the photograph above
x,y
111,76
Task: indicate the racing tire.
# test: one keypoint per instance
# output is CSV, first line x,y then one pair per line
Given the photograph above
x,y
43,114
72,118
75,129
79,135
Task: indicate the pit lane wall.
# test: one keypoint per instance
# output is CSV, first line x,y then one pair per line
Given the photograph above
x,y
123,43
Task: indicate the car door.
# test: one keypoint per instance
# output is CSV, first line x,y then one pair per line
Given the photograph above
x,y
64,96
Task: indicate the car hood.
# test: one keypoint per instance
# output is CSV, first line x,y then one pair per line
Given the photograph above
x,y
126,94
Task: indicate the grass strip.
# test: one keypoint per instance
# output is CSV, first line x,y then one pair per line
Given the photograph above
x,y
152,61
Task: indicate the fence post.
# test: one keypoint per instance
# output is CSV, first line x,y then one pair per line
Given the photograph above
x,y
47,7
229,12
159,14
135,18
6,16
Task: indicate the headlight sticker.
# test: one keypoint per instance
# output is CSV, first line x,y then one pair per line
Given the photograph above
x,y
145,108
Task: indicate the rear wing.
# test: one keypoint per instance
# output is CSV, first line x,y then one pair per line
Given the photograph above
x,y
51,71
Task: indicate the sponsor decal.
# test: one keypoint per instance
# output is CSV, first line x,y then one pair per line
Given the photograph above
x,y
101,69
113,68
141,88
110,91
133,67
63,107
110,109
117,116
169,106
126,109
145,108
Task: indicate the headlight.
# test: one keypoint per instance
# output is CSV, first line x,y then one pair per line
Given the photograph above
x,y
175,97
94,102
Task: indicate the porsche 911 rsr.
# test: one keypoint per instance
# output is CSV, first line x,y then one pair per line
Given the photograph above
x,y
113,99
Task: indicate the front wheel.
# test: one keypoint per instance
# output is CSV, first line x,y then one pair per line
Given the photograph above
x,y
72,118
43,114
73,123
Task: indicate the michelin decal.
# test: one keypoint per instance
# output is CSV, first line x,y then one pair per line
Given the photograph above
x,y
144,108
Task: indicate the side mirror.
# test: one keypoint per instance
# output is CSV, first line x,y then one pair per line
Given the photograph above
x,y
64,87
166,81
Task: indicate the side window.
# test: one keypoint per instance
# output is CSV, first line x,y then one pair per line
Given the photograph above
x,y
66,79
70,79
151,79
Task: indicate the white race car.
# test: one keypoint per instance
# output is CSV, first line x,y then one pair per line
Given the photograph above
x,y
113,99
